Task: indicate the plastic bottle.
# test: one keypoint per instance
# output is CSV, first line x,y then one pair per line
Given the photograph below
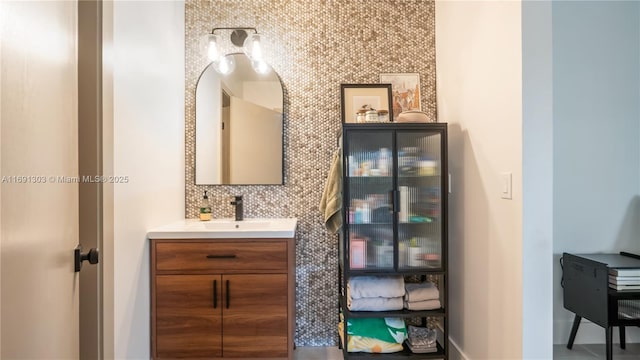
x,y
205,208
357,216
353,166
366,213
384,162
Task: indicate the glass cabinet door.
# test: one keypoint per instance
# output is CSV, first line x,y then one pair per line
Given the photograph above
x,y
368,193
419,171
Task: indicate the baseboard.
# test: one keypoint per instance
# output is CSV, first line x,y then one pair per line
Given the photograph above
x,y
456,352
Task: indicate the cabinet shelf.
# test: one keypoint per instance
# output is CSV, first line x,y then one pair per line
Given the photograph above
x,y
390,271
404,354
404,313
402,180
434,222
433,176
397,313
371,224
373,179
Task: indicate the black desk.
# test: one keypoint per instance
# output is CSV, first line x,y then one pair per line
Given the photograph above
x,y
587,293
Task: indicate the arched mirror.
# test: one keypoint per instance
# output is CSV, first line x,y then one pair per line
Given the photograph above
x,y
239,126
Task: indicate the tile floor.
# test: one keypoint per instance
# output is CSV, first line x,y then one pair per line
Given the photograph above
x,y
560,352
595,351
317,353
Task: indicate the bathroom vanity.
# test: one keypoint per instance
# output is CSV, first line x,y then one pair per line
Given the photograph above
x,y
223,289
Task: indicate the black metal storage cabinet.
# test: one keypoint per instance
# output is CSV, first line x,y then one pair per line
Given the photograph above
x,y
395,188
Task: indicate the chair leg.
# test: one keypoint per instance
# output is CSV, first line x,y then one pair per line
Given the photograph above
x,y
622,338
574,331
609,331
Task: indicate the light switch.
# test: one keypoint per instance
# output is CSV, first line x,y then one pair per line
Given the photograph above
x,y
506,185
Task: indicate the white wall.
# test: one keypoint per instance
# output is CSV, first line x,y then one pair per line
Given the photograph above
x,y
264,93
208,128
478,47
148,147
596,66
537,183
253,153
2,18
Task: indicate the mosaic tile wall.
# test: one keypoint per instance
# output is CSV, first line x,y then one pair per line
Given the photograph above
x,y
314,45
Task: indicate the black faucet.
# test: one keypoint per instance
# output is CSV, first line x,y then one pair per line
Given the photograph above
x,y
238,203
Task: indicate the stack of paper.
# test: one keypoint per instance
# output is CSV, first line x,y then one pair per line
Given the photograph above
x,y
624,279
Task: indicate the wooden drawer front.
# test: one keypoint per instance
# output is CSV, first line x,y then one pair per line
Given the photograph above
x,y
221,256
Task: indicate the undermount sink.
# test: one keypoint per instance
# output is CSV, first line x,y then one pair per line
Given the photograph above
x,y
226,228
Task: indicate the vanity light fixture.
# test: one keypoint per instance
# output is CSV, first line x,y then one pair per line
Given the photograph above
x,y
250,44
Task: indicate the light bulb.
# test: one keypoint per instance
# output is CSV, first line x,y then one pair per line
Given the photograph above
x,y
260,67
213,48
252,47
225,65
256,52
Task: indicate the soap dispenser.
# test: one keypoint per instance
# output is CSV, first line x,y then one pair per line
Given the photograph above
x,y
205,208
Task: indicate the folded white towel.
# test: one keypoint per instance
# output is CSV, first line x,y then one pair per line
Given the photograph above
x,y
375,286
420,292
375,304
422,305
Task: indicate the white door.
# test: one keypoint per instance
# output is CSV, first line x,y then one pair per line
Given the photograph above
x,y
38,153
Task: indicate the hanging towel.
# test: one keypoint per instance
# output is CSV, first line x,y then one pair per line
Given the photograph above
x,y
331,201
375,286
420,292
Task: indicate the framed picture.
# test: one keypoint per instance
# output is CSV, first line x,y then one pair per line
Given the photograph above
x,y
359,98
405,89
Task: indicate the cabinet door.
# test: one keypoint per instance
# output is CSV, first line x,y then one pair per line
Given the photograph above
x,y
255,315
368,200
188,316
420,193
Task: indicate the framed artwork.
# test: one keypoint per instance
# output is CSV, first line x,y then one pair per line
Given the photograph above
x,y
355,98
405,88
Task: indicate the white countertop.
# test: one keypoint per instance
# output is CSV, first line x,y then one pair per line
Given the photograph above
x,y
226,228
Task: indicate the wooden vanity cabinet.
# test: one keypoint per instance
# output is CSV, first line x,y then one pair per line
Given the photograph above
x,y
222,298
